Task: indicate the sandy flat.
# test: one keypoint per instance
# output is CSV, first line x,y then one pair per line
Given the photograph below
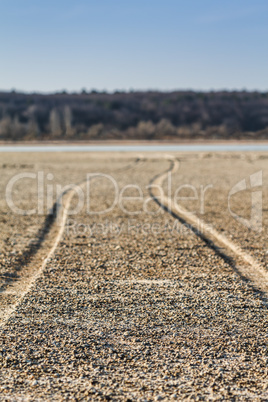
x,y
133,304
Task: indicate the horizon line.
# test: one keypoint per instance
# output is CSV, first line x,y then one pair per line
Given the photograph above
x,y
128,91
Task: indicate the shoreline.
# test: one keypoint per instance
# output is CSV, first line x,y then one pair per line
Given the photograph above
x,y
132,142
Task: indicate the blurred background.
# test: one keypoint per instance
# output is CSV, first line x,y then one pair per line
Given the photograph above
x,y
168,70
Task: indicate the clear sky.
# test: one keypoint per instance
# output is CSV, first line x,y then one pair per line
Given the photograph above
x,y
112,45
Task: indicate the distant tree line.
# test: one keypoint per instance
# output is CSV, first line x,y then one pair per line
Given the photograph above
x,y
133,115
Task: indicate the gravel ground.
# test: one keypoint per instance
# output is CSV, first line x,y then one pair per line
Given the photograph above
x,y
136,306
19,234
214,175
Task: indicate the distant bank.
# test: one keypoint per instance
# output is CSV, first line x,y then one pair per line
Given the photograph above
x,y
144,116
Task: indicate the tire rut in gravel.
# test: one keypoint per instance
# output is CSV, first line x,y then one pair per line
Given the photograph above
x,y
228,250
40,254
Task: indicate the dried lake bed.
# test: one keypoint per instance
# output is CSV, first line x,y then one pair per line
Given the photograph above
x,y
107,293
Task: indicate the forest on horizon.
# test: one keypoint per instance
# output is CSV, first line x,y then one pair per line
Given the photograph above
x,y
152,115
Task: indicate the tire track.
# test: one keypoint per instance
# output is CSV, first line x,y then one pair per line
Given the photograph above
x,y
250,270
49,238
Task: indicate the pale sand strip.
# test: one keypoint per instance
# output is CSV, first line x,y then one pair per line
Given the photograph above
x,y
251,270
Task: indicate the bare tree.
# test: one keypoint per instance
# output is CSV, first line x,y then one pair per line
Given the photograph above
x,y
67,118
55,123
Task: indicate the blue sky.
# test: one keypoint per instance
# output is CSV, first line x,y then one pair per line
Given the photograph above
x,y
112,45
